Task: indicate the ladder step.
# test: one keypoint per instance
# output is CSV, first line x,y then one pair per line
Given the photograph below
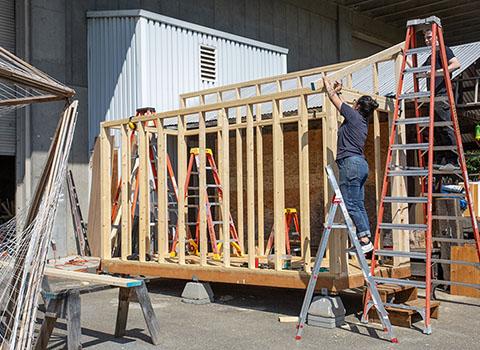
x,y
399,281
405,199
420,69
414,95
454,283
408,121
417,172
448,195
412,255
337,226
418,50
453,240
410,146
403,306
406,227
453,218
456,262
195,188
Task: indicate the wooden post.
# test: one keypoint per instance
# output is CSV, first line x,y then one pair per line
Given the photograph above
x,y
278,186
337,246
239,158
219,153
182,175
250,189
304,182
73,320
105,193
225,156
143,202
125,192
162,195
202,185
260,204
401,239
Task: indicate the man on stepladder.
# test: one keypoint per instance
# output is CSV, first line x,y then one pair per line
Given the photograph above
x,y
444,136
351,162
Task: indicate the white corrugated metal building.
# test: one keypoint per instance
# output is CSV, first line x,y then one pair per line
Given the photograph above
x,y
138,59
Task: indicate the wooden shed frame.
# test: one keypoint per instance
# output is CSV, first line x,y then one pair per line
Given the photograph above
x,y
341,273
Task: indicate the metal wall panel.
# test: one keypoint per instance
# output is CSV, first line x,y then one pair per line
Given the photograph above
x,y
138,59
7,40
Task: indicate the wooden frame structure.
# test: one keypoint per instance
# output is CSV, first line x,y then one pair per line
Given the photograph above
x,y
242,113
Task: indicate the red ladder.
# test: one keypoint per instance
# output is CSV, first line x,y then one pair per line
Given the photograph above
x,y
426,168
215,244
291,216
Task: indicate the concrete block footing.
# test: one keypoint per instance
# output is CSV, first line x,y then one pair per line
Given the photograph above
x,y
197,293
326,312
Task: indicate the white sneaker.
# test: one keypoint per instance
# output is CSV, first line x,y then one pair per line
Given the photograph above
x,y
366,248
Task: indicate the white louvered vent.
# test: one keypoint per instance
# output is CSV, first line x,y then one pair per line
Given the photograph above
x,y
208,63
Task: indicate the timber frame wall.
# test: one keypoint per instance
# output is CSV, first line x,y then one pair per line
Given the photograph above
x,y
237,116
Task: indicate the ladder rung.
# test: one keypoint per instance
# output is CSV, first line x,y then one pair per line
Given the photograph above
x,y
445,148
412,255
456,262
192,188
402,282
405,199
337,226
455,283
453,240
416,172
410,146
217,222
409,227
446,217
447,195
407,121
420,69
418,50
414,95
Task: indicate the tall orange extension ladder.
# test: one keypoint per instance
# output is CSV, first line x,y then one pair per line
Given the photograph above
x,y
426,169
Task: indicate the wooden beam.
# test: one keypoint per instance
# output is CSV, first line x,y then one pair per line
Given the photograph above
x,y
278,186
144,193
239,159
162,192
125,191
225,157
304,182
182,175
92,278
378,57
260,202
376,139
202,185
26,100
105,193
250,189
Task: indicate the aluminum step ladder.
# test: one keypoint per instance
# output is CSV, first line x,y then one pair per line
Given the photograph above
x,y
426,169
371,284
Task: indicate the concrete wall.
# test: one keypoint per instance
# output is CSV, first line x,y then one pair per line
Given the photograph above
x,y
52,34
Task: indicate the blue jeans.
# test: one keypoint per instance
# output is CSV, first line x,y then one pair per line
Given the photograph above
x,y
353,173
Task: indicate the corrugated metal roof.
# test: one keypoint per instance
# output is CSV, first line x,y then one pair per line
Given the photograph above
x,y
361,80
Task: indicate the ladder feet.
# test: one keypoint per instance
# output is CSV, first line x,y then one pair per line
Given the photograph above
x,y
394,340
427,330
364,319
298,337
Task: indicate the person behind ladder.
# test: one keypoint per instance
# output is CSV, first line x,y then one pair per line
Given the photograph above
x,y
443,135
351,162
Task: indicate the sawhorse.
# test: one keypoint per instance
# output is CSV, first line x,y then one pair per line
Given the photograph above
x,y
64,302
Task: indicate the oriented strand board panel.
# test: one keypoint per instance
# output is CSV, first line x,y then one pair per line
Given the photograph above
x,y
468,274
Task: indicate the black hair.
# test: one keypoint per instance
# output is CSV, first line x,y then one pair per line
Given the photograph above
x,y
366,105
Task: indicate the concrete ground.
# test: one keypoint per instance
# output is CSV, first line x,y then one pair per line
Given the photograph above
x,y
245,317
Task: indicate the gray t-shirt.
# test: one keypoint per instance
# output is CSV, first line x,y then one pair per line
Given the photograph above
x,y
352,134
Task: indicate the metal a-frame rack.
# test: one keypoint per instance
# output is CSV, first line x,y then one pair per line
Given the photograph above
x,y
426,169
